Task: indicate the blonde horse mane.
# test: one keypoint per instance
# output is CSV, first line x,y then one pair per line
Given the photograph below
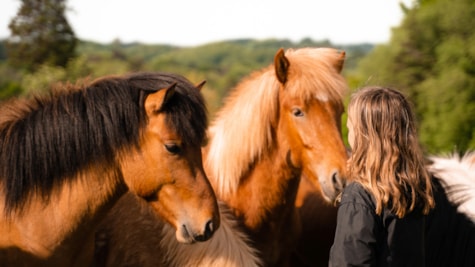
x,y
242,130
229,247
457,176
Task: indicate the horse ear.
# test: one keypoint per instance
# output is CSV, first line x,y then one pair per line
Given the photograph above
x,y
200,85
340,61
281,64
156,101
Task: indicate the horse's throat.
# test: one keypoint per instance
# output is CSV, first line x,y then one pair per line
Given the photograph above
x,y
267,194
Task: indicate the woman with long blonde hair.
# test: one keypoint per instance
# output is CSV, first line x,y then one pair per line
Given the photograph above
x,y
381,215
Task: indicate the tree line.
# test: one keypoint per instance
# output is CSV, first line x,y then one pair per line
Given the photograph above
x,y
430,57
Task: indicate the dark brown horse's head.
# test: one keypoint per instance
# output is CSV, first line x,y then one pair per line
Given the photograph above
x,y
167,168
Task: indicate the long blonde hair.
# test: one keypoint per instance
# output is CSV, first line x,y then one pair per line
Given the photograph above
x,y
387,158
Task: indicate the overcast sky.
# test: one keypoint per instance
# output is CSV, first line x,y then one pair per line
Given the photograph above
x,y
196,22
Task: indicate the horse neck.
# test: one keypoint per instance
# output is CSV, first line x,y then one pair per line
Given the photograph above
x,y
61,229
264,204
267,191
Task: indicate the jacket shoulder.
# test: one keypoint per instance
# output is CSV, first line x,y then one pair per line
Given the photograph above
x,y
356,193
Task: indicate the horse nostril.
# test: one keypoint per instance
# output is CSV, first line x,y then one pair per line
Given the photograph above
x,y
209,229
335,179
337,182
200,238
208,232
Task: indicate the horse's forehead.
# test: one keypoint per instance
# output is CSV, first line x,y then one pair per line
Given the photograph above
x,y
311,94
309,85
163,127
171,126
312,76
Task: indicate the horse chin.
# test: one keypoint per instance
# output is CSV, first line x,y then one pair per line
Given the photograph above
x,y
332,186
183,236
187,235
329,191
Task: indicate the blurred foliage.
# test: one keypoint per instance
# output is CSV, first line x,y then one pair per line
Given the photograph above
x,y
40,34
221,64
431,57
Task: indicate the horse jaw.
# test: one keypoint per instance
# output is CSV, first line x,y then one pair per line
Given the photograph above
x,y
230,247
185,233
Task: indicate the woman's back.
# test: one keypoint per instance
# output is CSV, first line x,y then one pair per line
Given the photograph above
x,y
395,241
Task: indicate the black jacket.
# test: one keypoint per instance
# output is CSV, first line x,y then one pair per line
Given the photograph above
x,y
364,238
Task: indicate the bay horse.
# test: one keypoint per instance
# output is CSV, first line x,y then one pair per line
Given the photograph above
x,y
68,156
278,125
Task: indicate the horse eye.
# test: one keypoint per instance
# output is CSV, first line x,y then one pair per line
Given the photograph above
x,y
173,148
297,112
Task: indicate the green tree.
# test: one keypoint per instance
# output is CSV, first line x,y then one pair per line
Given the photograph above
x,y
431,57
40,33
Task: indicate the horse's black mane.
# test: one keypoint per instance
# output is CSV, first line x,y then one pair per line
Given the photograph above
x,y
48,139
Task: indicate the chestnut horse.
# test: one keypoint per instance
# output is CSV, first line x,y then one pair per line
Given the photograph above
x,y
277,125
67,157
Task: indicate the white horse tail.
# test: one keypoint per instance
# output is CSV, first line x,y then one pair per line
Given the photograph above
x,y
229,247
457,176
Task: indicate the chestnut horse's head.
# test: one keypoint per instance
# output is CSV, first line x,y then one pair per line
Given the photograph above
x,y
293,107
166,170
310,108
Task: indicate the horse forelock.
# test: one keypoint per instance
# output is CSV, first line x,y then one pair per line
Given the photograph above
x,y
312,74
187,116
186,112
242,130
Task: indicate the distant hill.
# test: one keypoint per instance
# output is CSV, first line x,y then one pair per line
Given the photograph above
x,y
221,64
254,50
